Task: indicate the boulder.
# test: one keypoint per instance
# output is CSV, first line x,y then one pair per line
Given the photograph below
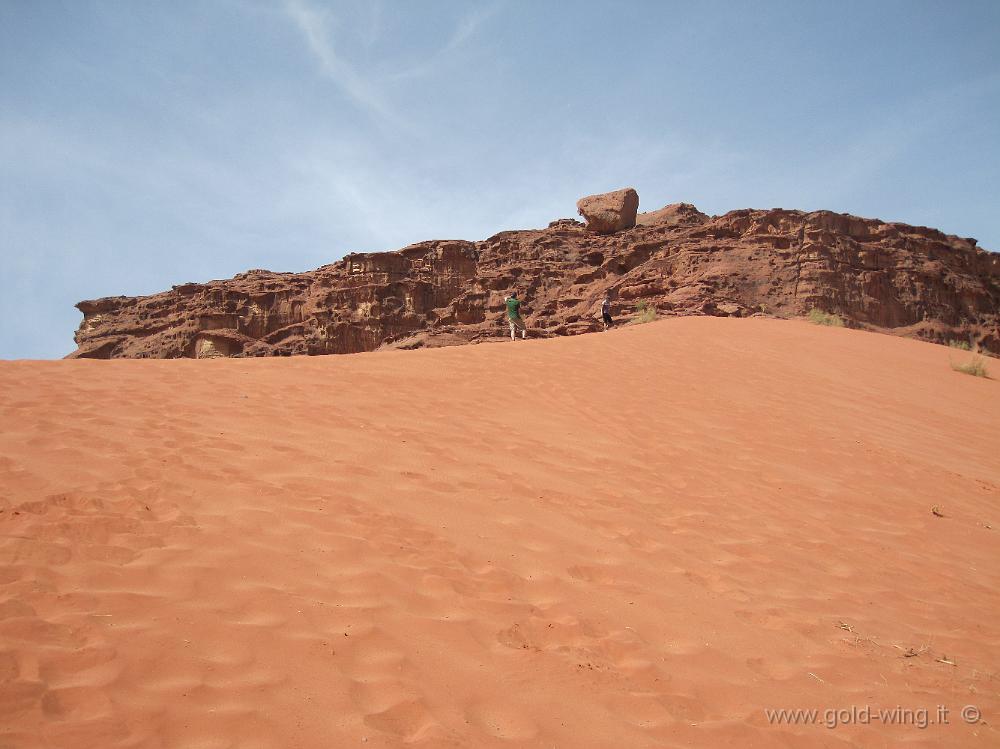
x,y
675,214
610,211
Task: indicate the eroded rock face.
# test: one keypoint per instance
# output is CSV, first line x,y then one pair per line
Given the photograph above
x,y
610,211
883,276
674,214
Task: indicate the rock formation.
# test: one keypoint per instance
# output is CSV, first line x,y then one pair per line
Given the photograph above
x,y
610,211
890,277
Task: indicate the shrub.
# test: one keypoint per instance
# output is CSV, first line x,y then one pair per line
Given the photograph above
x,y
964,345
975,367
820,317
644,312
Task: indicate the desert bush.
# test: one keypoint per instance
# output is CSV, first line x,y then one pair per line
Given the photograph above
x,y
820,317
644,312
975,367
964,345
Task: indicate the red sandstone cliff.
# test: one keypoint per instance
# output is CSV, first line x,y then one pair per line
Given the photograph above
x,y
891,277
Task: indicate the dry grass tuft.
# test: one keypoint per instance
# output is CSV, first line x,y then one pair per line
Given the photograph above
x,y
820,317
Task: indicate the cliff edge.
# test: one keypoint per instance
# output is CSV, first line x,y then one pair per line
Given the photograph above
x,y
891,277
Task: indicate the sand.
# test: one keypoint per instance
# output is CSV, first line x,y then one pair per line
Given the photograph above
x,y
644,538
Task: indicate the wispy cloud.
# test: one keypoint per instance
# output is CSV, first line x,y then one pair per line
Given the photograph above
x,y
373,27
469,25
900,132
314,25
465,29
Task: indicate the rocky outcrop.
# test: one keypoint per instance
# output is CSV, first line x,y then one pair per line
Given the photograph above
x,y
890,277
610,211
676,214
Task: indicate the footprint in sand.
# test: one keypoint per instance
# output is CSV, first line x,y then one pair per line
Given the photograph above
x,y
501,721
86,666
579,642
17,698
601,574
377,696
12,608
774,670
410,721
76,703
33,552
643,709
385,687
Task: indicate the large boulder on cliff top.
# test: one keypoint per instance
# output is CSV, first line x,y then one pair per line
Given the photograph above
x,y
610,211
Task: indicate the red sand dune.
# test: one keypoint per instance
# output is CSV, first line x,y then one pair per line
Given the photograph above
x,y
638,539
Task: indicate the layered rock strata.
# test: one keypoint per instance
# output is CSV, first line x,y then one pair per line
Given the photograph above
x,y
890,277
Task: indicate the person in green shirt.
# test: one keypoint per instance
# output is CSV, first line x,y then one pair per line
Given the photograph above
x,y
514,316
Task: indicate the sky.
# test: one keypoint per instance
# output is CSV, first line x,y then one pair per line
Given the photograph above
x,y
145,144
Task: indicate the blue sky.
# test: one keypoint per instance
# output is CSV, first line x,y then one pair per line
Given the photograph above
x,y
144,144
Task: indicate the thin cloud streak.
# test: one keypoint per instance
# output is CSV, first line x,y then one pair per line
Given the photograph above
x,y
314,27
891,138
469,25
465,29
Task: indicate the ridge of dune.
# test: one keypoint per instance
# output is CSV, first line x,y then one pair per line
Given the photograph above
x,y
644,538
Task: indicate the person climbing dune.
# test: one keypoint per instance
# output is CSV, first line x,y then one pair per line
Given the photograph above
x,y
606,312
514,317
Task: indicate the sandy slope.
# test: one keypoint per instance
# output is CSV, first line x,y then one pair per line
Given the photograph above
x,y
639,539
